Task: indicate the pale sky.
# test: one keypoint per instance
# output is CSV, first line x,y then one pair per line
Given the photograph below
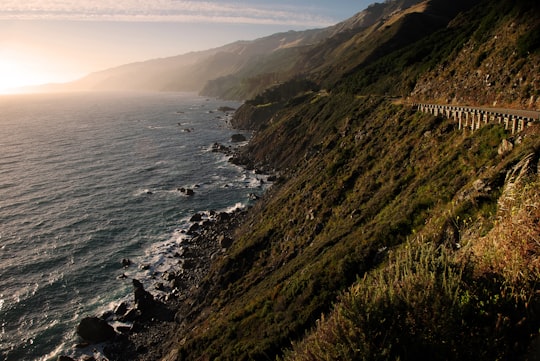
x,y
44,41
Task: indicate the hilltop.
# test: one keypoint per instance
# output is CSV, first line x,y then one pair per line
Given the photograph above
x,y
389,233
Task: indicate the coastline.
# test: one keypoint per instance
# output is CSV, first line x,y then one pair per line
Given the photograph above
x,y
144,331
147,337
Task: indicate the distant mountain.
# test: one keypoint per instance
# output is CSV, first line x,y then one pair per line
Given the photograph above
x,y
191,71
223,71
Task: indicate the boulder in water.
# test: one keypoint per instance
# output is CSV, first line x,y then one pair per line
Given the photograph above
x,y
94,330
197,217
186,191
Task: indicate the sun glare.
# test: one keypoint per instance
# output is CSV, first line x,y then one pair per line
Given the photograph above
x,y
27,69
15,74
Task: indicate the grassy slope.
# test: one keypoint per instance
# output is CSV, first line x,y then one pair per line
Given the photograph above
x,y
479,302
364,191
362,176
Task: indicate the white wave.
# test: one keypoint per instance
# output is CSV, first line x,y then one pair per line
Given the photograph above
x,y
53,355
143,192
236,206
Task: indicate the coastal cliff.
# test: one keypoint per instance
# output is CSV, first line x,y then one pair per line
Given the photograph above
x,y
382,239
389,233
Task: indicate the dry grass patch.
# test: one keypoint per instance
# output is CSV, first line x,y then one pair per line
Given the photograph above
x,y
512,247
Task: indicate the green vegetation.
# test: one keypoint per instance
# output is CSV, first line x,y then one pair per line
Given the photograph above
x,y
359,193
481,302
390,234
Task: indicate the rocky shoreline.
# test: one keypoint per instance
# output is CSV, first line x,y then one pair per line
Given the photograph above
x,y
143,325
141,328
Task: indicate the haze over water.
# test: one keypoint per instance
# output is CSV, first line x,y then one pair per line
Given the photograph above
x,y
87,180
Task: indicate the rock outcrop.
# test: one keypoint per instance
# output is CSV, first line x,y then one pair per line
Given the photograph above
x,y
95,330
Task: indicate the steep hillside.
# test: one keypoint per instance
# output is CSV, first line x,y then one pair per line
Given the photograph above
x,y
364,176
389,233
338,58
498,65
385,58
308,57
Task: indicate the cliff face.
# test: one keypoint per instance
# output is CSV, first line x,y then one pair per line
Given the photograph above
x,y
380,238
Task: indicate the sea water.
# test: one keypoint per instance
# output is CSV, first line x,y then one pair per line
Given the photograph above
x,y
89,179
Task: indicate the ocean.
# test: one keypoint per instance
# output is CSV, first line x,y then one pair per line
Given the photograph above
x,y
88,179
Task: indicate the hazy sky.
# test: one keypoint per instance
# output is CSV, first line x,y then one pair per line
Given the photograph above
x,y
60,40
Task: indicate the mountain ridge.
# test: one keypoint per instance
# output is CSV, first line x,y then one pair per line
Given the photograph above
x,y
192,71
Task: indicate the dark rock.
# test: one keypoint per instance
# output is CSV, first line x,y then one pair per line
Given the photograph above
x,y
123,329
64,358
168,276
121,309
223,216
186,191
226,109
144,301
197,217
318,228
126,262
142,349
224,241
148,307
236,138
189,264
107,315
217,147
193,229
131,315
159,286
94,329
178,283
